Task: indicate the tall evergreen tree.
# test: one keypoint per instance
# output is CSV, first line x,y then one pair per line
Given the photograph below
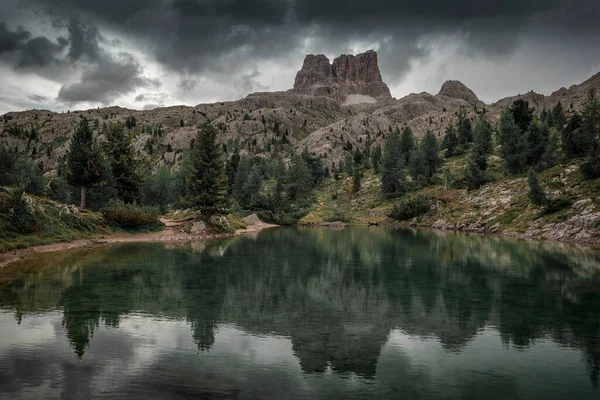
x,y
392,172
407,145
205,178
574,142
482,135
558,118
450,141
376,158
536,144
239,182
522,114
123,163
232,166
431,152
315,165
590,128
418,167
299,181
512,142
84,160
536,192
464,129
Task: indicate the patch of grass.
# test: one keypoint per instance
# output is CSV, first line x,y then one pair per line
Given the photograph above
x,y
131,216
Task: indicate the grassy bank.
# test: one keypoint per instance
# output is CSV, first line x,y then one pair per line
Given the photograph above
x,y
501,206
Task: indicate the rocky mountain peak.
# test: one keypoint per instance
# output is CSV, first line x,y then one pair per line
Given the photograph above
x,y
458,90
348,75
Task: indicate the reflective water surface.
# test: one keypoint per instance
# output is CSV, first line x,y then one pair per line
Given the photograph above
x,y
298,313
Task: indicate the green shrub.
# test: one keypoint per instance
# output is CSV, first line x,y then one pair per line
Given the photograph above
x,y
410,207
338,215
15,213
130,216
556,205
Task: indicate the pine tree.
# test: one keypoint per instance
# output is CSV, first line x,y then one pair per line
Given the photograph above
x,y
522,114
232,166
464,130
574,143
253,186
407,145
418,166
431,152
482,135
376,158
299,179
123,163
512,142
475,170
536,144
239,182
590,128
450,141
536,191
84,160
356,179
392,172
205,178
558,119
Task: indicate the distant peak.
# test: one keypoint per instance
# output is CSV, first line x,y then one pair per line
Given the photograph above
x,y
458,90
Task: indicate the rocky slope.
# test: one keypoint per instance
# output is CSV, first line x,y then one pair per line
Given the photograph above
x,y
332,108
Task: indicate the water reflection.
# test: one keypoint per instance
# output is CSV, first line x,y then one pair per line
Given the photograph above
x,y
339,299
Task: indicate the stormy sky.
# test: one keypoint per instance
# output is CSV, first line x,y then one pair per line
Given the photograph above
x,y
77,54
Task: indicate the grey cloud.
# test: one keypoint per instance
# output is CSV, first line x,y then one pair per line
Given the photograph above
x,y
11,41
37,98
40,52
105,81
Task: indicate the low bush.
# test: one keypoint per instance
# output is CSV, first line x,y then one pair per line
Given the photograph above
x,y
131,216
556,205
15,213
338,215
410,207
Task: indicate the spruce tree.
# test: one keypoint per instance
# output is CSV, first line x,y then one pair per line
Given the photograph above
x,y
239,182
392,172
84,160
537,195
558,119
522,114
232,166
123,163
450,141
475,170
536,144
356,179
376,158
482,135
300,182
431,152
590,129
512,142
407,145
205,178
418,167
464,130
574,143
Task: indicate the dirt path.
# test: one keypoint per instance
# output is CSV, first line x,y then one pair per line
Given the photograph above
x,y
172,232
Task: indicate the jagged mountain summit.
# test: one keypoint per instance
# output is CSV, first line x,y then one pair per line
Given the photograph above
x,y
350,79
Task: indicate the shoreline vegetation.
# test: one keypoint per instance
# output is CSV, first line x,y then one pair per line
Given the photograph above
x,y
528,175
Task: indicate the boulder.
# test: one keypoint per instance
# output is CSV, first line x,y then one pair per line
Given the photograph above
x,y
252,220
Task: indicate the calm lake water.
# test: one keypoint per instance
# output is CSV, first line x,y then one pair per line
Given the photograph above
x,y
298,313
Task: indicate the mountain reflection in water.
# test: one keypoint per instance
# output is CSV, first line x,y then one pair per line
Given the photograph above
x,y
305,313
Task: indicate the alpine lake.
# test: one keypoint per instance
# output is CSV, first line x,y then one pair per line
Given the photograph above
x,y
305,313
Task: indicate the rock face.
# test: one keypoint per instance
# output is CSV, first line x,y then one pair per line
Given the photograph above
x,y
347,75
457,90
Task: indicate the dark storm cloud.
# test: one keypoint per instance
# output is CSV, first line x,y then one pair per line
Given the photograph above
x,y
105,81
12,40
193,36
40,52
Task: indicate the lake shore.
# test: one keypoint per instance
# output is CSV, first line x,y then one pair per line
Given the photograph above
x,y
170,234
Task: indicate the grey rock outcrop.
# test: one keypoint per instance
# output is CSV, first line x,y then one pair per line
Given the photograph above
x,y
349,74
